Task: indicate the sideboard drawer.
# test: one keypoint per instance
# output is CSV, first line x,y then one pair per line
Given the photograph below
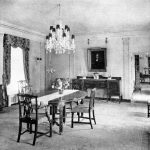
x,y
77,84
91,83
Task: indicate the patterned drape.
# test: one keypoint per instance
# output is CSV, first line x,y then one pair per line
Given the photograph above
x,y
14,41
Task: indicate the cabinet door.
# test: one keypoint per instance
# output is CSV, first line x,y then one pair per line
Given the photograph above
x,y
99,84
77,84
113,87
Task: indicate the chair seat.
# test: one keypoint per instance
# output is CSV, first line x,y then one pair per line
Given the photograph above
x,y
32,119
81,108
28,120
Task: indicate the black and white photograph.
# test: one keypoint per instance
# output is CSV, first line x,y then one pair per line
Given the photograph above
x,y
74,74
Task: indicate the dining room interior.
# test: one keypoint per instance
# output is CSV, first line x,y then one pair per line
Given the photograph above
x,y
86,63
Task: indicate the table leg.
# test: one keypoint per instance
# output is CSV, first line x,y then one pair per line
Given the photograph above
x,y
53,114
61,120
64,114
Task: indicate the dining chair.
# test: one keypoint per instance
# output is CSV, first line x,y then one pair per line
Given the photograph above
x,y
30,113
24,86
59,110
86,107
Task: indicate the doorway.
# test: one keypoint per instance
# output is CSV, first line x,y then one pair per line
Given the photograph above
x,y
142,72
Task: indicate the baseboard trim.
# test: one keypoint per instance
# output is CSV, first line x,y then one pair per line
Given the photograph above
x,y
114,99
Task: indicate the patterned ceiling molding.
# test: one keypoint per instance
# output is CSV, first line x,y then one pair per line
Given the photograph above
x,y
133,33
8,27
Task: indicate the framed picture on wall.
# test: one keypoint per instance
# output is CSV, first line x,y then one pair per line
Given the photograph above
x,y
96,59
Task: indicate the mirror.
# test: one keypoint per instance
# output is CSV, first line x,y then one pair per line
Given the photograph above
x,y
96,59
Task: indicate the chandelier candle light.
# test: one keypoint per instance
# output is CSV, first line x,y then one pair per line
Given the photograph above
x,y
59,39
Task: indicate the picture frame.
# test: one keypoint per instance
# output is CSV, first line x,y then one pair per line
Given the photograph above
x,y
96,59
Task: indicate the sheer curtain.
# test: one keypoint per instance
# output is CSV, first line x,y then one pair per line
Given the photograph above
x,y
17,70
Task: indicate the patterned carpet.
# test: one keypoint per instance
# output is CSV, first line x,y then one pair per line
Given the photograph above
x,y
123,126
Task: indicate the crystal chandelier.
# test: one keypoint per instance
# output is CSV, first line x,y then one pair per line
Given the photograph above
x,y
59,39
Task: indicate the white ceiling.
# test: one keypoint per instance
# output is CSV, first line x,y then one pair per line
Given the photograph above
x,y
83,16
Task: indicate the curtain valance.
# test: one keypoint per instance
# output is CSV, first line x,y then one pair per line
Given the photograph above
x,y
16,41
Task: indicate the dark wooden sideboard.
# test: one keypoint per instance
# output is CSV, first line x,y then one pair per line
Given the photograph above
x,y
112,86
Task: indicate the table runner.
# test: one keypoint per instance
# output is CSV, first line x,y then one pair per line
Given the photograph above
x,y
44,100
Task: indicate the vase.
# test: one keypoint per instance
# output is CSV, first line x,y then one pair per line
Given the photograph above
x,y
60,91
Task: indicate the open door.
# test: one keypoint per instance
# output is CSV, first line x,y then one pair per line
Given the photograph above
x,y
137,73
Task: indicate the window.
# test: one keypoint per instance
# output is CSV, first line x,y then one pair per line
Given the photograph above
x,y
17,70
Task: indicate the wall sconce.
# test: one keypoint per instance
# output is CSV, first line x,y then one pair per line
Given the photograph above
x,y
51,70
38,59
88,41
106,40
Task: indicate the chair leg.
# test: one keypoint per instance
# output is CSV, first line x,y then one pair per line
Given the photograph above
x,y
72,120
64,114
19,133
90,120
78,117
148,110
30,128
50,110
50,123
94,116
50,129
35,134
120,99
53,114
61,121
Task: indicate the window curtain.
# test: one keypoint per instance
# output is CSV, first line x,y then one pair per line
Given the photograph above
x,y
14,41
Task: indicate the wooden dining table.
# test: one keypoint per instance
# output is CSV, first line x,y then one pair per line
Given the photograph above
x,y
54,98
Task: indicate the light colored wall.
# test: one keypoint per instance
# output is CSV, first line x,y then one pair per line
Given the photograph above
x,y
120,56
37,69
121,48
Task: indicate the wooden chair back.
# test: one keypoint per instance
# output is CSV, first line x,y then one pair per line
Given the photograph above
x,y
92,98
27,105
24,87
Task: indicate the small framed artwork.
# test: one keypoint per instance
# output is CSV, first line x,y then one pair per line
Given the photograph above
x,y
96,59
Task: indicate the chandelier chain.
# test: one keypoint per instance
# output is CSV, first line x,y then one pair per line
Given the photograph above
x,y
59,10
